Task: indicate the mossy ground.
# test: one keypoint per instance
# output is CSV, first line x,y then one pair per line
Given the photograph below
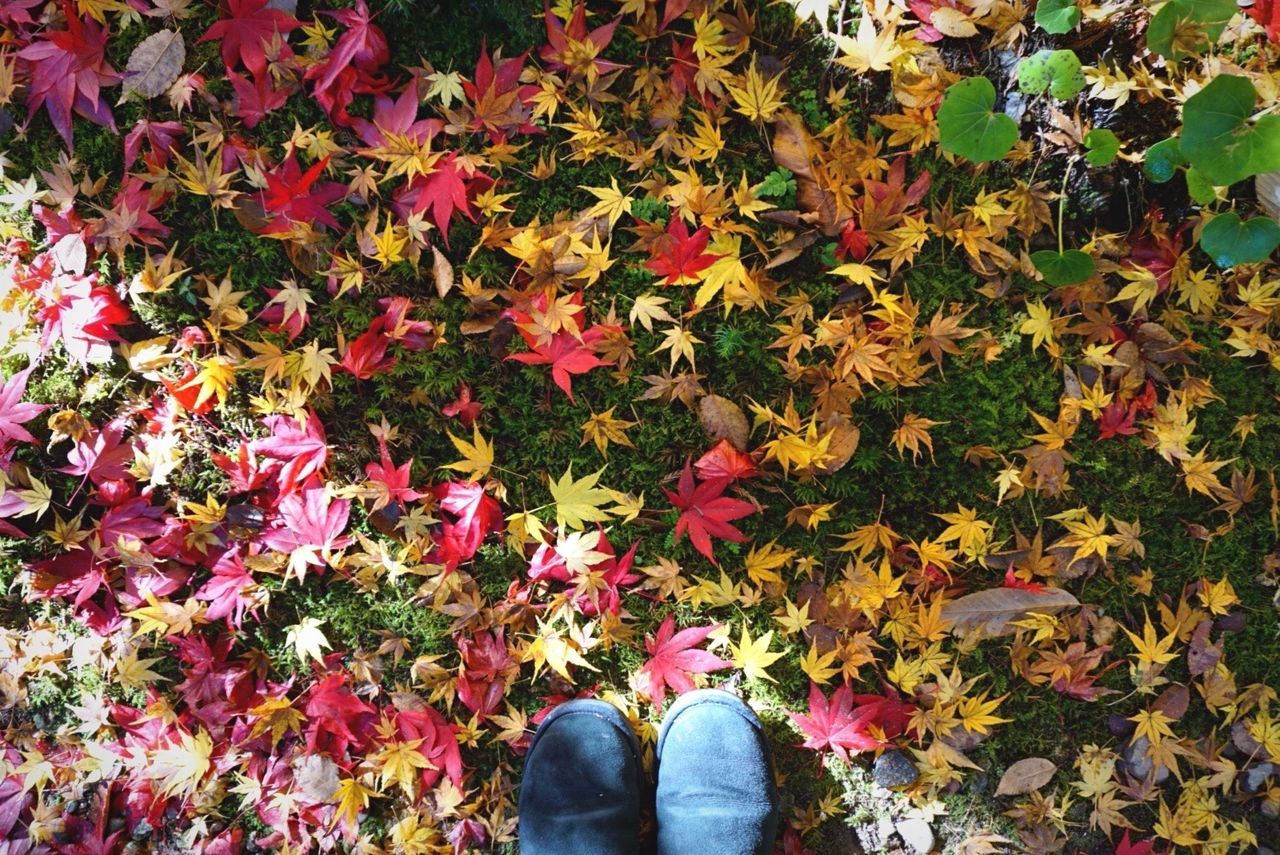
x,y
535,429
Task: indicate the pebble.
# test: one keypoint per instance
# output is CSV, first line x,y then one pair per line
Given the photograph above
x,y
1137,759
1255,777
910,836
894,771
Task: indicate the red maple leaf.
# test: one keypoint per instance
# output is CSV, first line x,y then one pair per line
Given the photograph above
x,y
1266,13
250,25
832,725
463,408
449,188
301,451
161,138
309,521
68,69
1139,847
486,665
841,723
353,66
255,98
335,716
473,515
574,48
500,105
393,479
567,354
674,657
725,461
706,512
679,256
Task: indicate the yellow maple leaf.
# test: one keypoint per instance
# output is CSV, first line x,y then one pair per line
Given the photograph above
x,y
753,656
352,797
389,245
579,502
1150,649
477,456
1040,326
912,433
277,715
400,762
869,50
756,98
603,428
613,203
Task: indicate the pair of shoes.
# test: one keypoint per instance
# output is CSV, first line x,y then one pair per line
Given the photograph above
x,y
583,782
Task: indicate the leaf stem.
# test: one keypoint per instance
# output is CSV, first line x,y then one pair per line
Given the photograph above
x,y
1062,200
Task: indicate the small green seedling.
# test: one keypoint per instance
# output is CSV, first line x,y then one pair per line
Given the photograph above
x,y
969,126
1101,146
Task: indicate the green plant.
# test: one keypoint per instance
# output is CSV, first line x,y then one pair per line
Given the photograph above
x,y
1223,138
1101,146
969,127
1066,266
1180,25
1057,16
1059,71
1230,241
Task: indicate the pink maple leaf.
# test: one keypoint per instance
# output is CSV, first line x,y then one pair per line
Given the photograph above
x,y
674,657
14,413
68,70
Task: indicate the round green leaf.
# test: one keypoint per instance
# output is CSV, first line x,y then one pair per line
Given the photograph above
x,y
1057,16
968,126
1063,268
1101,146
1163,160
1200,188
1168,33
1057,70
1218,138
1229,242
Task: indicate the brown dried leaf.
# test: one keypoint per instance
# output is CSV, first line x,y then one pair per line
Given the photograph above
x,y
155,63
990,613
1025,776
723,419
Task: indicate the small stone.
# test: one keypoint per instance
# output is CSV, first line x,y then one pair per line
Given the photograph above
x,y
894,771
1255,777
917,836
873,838
1139,763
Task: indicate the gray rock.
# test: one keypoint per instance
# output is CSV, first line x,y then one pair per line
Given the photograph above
x,y
917,836
1138,761
1255,777
909,836
894,771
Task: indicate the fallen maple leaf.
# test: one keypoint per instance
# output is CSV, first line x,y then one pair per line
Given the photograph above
x,y
68,70
706,512
680,257
674,658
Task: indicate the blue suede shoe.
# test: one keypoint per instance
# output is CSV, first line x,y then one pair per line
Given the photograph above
x,y
583,782
716,790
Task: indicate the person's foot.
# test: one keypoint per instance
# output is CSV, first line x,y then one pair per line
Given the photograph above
x,y
581,792
716,790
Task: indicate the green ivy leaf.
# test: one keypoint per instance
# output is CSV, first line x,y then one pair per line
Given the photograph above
x,y
1163,160
1172,20
1200,188
1229,241
1059,71
968,126
1063,268
1218,138
1057,16
1101,146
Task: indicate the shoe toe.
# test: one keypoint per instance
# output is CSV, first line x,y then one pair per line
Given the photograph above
x,y
580,791
715,779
